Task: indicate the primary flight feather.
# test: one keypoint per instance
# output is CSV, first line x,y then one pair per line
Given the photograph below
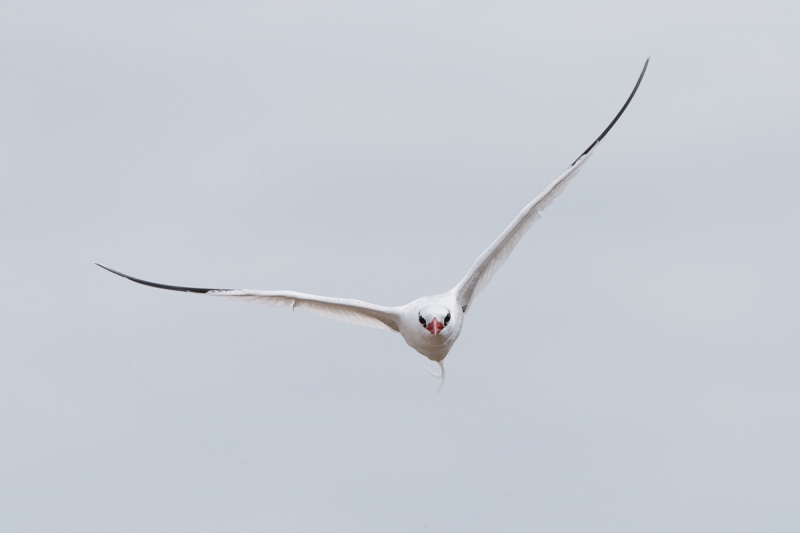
x,y
430,324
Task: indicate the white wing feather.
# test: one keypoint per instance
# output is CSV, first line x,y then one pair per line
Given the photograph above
x,y
345,310
493,258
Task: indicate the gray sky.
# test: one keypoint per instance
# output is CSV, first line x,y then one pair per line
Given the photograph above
x,y
633,367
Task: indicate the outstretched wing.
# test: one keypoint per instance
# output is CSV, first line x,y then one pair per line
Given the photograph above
x,y
345,310
493,258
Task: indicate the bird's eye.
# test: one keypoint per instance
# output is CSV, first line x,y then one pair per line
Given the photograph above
x,y
422,321
447,319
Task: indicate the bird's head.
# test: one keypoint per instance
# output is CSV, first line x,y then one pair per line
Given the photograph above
x,y
434,319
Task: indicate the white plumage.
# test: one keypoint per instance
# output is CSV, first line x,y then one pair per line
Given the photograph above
x,y
430,324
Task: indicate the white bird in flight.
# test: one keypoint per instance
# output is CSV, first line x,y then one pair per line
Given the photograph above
x,y
430,324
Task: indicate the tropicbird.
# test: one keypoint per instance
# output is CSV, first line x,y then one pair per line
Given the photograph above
x,y
430,324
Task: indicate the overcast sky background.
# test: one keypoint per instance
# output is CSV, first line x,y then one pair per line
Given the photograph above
x,y
633,367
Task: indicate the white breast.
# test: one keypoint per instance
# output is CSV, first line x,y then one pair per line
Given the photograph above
x,y
433,347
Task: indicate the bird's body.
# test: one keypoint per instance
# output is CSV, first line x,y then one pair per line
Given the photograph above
x,y
430,308
431,324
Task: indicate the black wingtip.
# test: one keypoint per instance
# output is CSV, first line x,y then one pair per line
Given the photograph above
x,y
157,285
621,111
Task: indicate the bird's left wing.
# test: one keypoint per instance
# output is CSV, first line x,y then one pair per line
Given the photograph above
x,y
493,258
344,310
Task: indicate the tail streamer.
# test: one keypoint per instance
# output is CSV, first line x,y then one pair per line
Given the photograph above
x,y
434,374
428,370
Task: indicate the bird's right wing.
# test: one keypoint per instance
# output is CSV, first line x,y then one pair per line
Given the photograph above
x,y
344,310
493,258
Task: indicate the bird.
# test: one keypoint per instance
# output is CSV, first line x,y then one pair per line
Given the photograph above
x,y
430,324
